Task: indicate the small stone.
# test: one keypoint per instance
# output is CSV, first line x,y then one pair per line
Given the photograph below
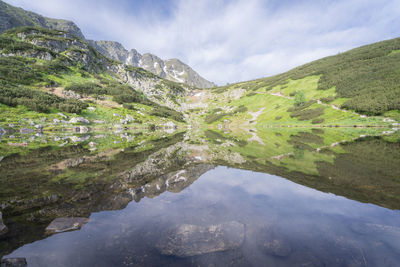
x,y
91,108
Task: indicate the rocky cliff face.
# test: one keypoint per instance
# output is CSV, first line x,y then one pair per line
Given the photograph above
x,y
171,69
12,17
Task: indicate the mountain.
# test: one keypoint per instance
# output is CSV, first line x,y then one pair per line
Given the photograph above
x,y
48,71
12,17
171,69
357,87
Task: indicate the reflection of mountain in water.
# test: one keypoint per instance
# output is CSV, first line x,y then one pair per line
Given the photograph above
x,y
52,182
50,185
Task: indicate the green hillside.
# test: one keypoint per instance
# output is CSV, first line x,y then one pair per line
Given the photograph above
x,y
44,72
364,81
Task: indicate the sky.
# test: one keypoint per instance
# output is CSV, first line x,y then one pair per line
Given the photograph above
x,y
230,41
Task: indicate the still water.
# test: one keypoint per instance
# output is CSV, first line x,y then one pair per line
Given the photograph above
x,y
307,197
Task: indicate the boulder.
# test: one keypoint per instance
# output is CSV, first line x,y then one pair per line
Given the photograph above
x,y
3,228
188,240
13,262
79,119
60,225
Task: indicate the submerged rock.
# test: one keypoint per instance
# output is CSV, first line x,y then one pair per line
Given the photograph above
x,y
3,228
272,244
60,225
276,247
13,262
187,240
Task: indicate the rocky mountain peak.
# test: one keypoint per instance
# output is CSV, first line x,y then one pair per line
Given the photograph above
x,y
12,17
171,69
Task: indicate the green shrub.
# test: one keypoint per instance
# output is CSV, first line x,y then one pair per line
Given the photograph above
x,y
307,114
299,99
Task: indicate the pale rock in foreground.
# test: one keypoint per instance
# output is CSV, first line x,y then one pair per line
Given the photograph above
x,y
188,240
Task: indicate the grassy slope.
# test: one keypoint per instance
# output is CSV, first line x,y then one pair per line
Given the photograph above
x,y
365,80
37,74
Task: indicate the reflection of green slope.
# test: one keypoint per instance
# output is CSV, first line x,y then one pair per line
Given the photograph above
x,y
366,168
69,181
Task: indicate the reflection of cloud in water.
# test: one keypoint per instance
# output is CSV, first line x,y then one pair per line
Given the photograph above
x,y
280,218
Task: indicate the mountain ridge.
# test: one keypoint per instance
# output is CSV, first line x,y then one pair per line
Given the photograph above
x,y
172,69
177,71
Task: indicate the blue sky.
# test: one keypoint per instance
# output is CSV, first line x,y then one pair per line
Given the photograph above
x,y
229,41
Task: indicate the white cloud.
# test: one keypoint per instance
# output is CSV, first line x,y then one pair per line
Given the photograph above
x,y
229,41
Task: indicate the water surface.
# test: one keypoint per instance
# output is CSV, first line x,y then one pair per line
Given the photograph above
x,y
299,197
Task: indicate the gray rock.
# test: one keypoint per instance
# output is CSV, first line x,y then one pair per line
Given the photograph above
x,y
99,121
79,139
56,121
2,132
60,225
39,126
129,118
3,228
79,119
62,115
188,240
13,262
